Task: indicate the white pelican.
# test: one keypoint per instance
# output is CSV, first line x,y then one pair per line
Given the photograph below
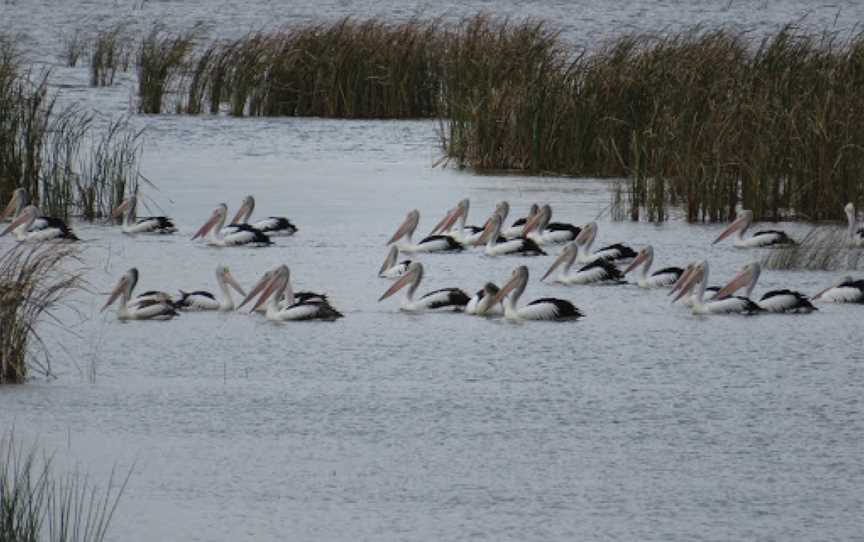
x,y
730,305
57,230
617,253
658,279
764,238
496,247
599,270
242,235
20,199
148,224
856,232
273,226
480,303
152,309
283,305
546,308
392,268
453,224
844,290
774,300
710,291
289,296
205,301
151,296
549,232
452,299
432,243
516,229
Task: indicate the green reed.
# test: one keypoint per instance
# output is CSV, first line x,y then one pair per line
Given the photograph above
x,y
110,53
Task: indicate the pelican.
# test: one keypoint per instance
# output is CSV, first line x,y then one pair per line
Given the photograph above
x,y
279,288
147,224
480,303
549,232
495,247
289,296
546,308
764,238
844,290
452,299
617,253
274,226
710,291
658,279
599,270
151,296
515,230
698,277
856,232
242,235
466,235
773,301
205,301
20,199
392,268
57,230
432,243
144,310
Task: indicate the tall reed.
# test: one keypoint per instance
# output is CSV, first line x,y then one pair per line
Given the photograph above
x,y
109,54
161,59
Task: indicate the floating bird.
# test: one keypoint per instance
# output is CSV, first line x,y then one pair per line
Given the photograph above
x,y
515,230
844,290
242,234
764,238
659,279
151,296
392,268
546,308
286,300
453,299
856,232
200,300
432,243
543,232
144,309
496,247
453,224
20,199
56,230
599,270
147,224
688,301
274,226
480,303
698,278
774,300
617,253
282,304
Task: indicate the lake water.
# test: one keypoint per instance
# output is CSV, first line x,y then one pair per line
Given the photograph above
x,y
640,422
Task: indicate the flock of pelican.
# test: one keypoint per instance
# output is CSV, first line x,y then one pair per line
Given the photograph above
x,y
577,263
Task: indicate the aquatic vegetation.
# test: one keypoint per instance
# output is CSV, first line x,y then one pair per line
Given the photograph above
x,y
160,60
110,53
824,248
75,43
33,281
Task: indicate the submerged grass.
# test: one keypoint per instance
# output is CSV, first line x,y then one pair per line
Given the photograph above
x,y
824,248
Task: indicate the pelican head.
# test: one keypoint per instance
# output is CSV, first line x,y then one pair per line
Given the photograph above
x,y
565,258
517,282
746,277
836,284
245,211
390,260
125,205
216,217
223,274
26,217
502,209
259,286
491,230
745,218
461,210
17,202
850,210
412,276
278,281
696,275
682,279
587,235
646,255
538,220
407,227
124,287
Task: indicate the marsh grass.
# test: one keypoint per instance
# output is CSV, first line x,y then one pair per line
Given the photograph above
x,y
33,282
160,60
824,248
36,504
110,53
74,44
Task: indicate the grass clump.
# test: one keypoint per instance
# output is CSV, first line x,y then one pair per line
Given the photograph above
x,y
74,45
824,248
161,58
109,54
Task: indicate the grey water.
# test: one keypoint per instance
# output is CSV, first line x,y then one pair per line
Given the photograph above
x,y
639,422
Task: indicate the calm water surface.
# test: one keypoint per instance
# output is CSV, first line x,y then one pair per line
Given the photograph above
x,y
640,422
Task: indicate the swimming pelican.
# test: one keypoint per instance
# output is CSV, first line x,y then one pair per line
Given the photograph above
x,y
151,296
242,235
844,290
495,247
432,243
659,279
20,199
773,301
205,301
546,308
516,228
279,288
617,253
729,305
58,230
549,232
274,226
688,301
144,310
480,303
764,238
285,301
147,224
856,232
599,270
392,268
453,299
453,224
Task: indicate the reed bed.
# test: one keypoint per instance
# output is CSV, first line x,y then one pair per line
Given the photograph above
x,y
110,53
824,248
160,61
74,46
